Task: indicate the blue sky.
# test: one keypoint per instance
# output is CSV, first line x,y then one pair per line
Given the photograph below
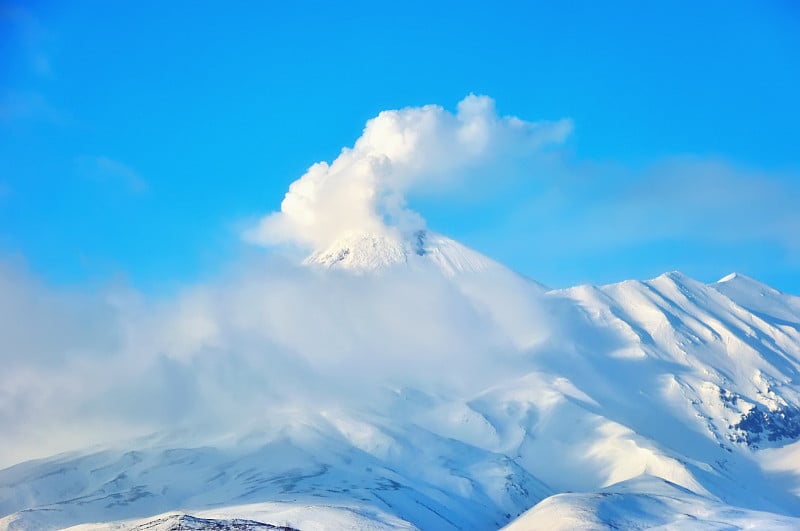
x,y
137,140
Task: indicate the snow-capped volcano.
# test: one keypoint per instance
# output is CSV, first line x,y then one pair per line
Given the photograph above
x,y
665,402
364,251
434,389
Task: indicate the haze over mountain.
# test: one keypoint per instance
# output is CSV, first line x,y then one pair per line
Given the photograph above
x,y
396,379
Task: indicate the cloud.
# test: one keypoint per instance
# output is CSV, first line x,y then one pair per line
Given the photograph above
x,y
107,170
17,106
81,365
715,200
588,208
84,367
29,36
365,188
23,96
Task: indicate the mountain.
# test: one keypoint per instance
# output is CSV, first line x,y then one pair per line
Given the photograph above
x,y
364,251
662,403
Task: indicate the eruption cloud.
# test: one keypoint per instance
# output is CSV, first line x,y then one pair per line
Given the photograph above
x,y
413,149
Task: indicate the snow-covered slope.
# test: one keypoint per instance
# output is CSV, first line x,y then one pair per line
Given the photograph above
x,y
644,503
661,403
357,468
364,251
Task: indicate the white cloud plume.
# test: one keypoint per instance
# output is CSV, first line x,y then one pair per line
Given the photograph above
x,y
399,151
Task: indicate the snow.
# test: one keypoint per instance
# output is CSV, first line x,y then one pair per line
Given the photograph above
x,y
368,252
664,403
288,516
644,503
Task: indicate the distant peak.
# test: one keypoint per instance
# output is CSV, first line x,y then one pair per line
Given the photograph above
x,y
674,275
728,278
739,281
366,251
362,251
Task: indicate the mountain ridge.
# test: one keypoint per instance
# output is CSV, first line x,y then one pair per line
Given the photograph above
x,y
641,403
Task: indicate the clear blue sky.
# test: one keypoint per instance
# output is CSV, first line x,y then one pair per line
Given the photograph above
x,y
137,137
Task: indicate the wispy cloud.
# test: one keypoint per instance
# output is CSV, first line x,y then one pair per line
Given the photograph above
x,y
18,106
692,199
107,170
23,97
714,200
29,37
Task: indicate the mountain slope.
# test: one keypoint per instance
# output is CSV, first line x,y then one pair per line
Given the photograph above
x,y
664,402
644,503
364,251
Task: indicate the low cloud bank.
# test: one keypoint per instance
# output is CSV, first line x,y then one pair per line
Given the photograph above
x,y
83,368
